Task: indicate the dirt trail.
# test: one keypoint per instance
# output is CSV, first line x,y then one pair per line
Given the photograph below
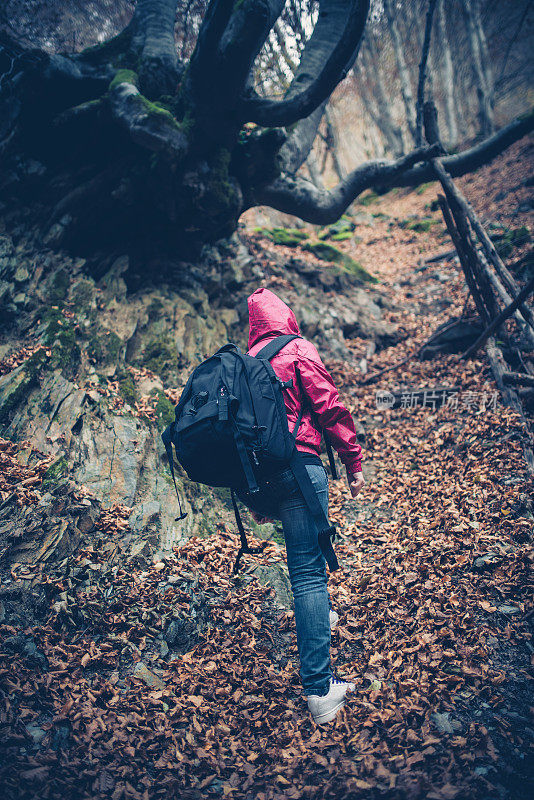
x,y
433,597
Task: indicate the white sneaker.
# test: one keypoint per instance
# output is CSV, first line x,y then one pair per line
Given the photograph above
x,y
324,709
334,619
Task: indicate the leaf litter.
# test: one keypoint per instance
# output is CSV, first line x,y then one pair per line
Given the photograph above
x,y
181,680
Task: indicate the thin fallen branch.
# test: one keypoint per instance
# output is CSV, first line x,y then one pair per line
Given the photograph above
x,y
500,318
466,260
517,379
499,369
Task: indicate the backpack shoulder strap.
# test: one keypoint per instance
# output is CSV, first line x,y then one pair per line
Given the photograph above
x,y
273,348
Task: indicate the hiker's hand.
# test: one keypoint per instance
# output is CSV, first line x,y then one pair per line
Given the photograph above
x,y
260,520
356,483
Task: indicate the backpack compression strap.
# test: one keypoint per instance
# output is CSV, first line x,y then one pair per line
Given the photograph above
x,y
167,441
275,345
245,547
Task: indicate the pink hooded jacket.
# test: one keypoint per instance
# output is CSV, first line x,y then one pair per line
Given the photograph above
x,y
269,317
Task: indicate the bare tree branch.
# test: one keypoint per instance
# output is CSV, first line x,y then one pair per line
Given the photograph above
x,y
325,60
473,158
295,195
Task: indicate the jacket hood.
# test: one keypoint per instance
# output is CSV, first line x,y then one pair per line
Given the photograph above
x,y
267,315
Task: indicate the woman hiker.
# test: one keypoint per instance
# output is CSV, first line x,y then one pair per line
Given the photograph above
x,y
281,498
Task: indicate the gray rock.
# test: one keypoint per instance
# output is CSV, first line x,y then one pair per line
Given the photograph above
x,y
276,576
485,562
21,275
181,633
506,609
145,516
445,723
141,671
36,732
141,553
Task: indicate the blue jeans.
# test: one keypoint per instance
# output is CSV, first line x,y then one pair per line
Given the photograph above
x,y
281,498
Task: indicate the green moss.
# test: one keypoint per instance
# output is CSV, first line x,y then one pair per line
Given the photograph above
x,y
124,76
417,225
55,472
127,388
222,194
62,339
95,350
515,237
327,252
339,231
59,287
324,251
153,107
159,356
104,349
368,198
82,294
420,225
290,237
164,410
423,187
341,237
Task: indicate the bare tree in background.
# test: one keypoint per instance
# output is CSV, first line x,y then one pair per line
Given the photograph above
x,y
447,75
481,65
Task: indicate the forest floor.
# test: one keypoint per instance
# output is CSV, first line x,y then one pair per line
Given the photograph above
x,y
433,597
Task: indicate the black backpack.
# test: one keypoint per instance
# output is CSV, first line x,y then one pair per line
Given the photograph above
x,y
230,429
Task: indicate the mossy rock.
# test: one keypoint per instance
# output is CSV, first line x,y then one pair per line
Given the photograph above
x,y
289,237
82,294
55,473
340,230
60,335
327,252
59,286
127,388
17,388
159,356
105,349
342,236
164,410
420,225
